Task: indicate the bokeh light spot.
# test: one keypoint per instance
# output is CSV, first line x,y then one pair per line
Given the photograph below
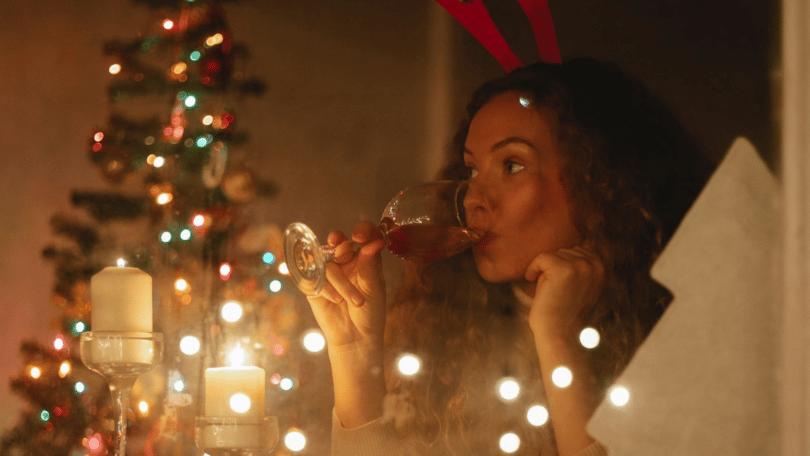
x,y
509,442
275,285
286,384
508,388
240,403
94,443
314,341
164,198
562,376
225,271
537,415
181,285
64,369
295,440
190,345
268,258
589,338
231,311
408,364
619,396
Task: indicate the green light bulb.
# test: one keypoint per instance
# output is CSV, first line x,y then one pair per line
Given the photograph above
x,y
268,258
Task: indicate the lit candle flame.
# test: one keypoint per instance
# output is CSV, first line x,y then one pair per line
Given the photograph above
x,y
237,356
122,263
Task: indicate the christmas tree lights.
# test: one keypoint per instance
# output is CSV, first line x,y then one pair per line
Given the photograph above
x,y
189,235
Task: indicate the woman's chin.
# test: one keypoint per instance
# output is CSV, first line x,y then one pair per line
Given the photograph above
x,y
493,273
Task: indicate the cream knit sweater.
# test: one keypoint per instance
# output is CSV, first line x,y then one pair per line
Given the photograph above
x,y
379,437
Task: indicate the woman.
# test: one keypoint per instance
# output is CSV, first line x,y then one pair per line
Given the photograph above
x,y
578,178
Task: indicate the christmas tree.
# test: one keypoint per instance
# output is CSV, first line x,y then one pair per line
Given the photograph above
x,y
177,207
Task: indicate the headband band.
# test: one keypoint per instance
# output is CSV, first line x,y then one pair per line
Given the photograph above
x,y
473,16
543,27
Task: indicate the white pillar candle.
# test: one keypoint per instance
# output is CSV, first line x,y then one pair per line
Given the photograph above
x,y
122,300
236,392
223,383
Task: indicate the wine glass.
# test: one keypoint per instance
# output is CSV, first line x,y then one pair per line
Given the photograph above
x,y
422,223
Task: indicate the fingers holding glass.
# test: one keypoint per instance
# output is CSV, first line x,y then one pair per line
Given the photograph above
x,y
336,277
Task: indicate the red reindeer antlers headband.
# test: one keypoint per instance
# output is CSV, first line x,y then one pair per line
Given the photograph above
x,y
473,15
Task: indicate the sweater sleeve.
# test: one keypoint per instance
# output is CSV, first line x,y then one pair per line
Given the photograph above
x,y
594,449
376,438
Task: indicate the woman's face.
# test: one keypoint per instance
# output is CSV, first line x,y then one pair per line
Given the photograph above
x,y
516,197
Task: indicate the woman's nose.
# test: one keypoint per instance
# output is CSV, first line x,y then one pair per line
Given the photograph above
x,y
476,204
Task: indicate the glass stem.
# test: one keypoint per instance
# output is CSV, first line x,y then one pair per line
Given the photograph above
x,y
120,394
329,252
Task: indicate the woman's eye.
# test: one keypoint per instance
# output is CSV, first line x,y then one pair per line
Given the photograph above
x,y
471,172
512,167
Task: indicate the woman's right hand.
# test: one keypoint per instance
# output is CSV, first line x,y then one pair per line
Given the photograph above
x,y
351,313
351,308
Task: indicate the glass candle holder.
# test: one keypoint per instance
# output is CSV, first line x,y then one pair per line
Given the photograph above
x,y
121,357
236,436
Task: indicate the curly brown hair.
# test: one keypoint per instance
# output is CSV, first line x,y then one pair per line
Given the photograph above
x,y
632,172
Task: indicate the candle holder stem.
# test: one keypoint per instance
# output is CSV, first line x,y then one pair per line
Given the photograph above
x,y
121,357
120,388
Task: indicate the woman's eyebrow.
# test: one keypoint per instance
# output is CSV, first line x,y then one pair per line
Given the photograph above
x,y
504,143
513,140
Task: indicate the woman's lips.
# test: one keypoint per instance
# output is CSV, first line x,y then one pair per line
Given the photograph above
x,y
484,242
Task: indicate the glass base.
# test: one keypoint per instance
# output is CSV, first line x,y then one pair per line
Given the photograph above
x,y
236,436
305,259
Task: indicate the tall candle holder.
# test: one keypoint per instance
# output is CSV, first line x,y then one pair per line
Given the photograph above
x,y
120,357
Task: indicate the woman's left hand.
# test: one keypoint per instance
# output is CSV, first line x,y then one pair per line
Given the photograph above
x,y
569,282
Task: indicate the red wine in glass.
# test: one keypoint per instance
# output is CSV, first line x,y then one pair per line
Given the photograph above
x,y
428,243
